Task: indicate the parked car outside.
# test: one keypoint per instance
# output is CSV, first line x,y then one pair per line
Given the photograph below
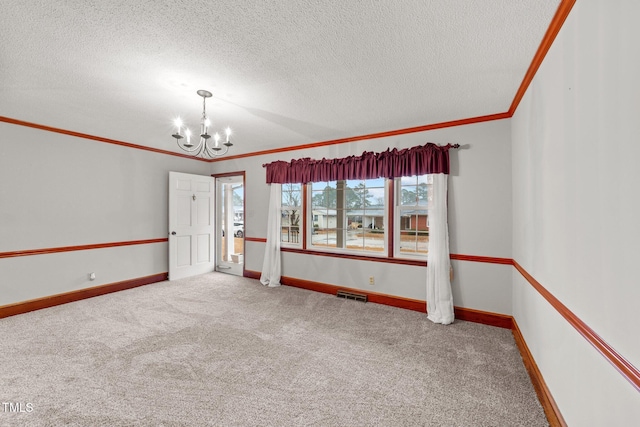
x,y
238,229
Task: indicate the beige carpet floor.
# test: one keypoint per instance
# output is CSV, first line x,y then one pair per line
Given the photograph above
x,y
220,350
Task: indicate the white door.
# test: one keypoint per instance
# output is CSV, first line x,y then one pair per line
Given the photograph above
x,y
191,236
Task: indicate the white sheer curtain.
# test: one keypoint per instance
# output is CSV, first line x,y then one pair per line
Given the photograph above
x,y
439,297
271,267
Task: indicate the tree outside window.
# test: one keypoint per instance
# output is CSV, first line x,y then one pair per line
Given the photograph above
x,y
349,215
291,210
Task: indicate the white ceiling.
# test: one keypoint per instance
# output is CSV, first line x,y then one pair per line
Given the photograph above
x,y
282,73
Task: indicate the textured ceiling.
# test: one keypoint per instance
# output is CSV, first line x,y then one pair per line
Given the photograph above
x,y
282,73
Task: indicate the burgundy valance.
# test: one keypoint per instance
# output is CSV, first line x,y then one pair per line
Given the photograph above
x,y
392,163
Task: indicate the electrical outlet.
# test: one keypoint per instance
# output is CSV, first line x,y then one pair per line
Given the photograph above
x,y
371,281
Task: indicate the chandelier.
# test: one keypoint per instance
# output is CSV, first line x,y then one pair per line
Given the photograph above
x,y
203,148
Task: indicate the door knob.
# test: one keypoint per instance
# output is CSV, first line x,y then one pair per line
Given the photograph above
x,y
173,233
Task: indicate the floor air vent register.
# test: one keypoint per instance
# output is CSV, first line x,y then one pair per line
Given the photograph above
x,y
351,295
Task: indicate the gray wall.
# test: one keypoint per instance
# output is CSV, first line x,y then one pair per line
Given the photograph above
x,y
57,190
575,210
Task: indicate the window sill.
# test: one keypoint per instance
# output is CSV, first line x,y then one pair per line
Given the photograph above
x,y
360,257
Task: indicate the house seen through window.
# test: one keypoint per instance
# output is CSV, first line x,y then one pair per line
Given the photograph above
x,y
411,215
353,216
349,215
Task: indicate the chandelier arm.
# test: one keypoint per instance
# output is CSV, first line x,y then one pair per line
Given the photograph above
x,y
194,149
201,151
218,153
215,153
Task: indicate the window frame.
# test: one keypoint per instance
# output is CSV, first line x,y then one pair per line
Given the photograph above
x,y
399,207
393,208
301,217
309,225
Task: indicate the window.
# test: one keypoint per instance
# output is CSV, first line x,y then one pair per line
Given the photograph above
x,y
348,215
351,216
355,215
411,216
291,211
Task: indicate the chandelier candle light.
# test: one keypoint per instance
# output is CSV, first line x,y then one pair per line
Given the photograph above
x,y
202,148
